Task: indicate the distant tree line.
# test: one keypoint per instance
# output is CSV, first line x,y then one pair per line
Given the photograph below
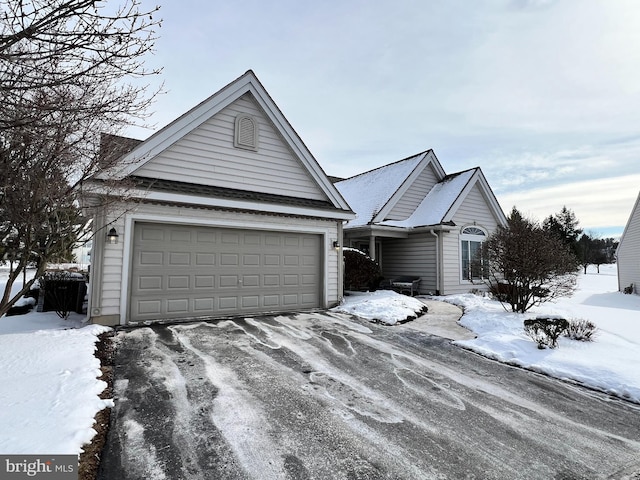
x,y
588,248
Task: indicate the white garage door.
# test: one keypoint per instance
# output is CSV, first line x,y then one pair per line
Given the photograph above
x,y
186,271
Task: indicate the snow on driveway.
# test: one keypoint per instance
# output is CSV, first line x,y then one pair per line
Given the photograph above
x,y
325,395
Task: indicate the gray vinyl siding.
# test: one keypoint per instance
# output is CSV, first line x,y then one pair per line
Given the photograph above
x,y
629,252
413,256
473,209
414,195
207,156
112,273
108,299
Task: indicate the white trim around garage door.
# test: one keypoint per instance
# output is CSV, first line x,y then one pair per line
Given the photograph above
x,y
132,218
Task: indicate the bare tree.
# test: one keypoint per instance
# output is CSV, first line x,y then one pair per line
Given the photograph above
x,y
69,71
527,264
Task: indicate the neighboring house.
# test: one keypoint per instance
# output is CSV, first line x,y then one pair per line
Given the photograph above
x,y
227,213
417,221
628,253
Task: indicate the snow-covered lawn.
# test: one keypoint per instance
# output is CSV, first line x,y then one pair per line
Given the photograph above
x,y
610,363
48,383
48,373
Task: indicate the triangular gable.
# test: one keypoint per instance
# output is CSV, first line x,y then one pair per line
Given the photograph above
x,y
371,194
139,162
441,204
438,204
428,161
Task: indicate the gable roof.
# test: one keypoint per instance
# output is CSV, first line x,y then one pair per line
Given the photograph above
x,y
176,130
437,206
371,194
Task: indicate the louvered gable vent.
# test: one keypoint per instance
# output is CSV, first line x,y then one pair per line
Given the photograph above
x,y
246,133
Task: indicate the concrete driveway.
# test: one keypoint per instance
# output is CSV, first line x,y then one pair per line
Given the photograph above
x,y
326,396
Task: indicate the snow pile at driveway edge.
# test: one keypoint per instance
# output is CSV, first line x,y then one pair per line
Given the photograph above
x,y
382,306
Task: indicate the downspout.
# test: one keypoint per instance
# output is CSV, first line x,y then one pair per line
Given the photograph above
x,y
432,232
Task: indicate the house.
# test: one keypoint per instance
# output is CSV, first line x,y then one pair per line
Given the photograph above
x,y
417,221
628,253
226,212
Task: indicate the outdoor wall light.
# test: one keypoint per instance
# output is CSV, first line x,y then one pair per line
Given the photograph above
x,y
112,236
336,244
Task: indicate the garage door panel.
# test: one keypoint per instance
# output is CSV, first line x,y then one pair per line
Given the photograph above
x,y
252,301
229,259
230,238
149,283
289,299
251,280
251,260
151,258
203,304
309,298
178,305
180,236
204,281
309,280
205,259
271,260
228,303
178,282
152,307
184,271
227,281
152,233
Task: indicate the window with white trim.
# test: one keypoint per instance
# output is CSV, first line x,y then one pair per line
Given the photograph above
x,y
246,132
471,239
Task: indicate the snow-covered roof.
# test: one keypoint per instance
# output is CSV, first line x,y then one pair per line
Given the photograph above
x,y
368,192
436,204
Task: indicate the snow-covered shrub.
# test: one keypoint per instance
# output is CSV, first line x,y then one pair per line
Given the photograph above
x,y
360,271
545,331
581,330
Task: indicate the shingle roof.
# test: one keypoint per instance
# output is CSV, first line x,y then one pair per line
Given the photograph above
x,y
368,192
170,186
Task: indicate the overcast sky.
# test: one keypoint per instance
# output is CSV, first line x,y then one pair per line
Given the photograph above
x,y
543,95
